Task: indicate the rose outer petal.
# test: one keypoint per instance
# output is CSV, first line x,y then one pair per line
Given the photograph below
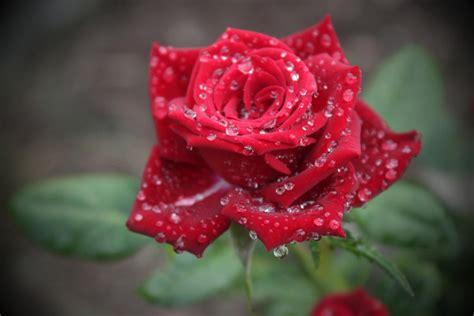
x,y
318,213
385,154
170,71
318,39
179,204
355,303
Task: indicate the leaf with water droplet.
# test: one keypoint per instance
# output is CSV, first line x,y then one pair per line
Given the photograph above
x,y
362,248
82,216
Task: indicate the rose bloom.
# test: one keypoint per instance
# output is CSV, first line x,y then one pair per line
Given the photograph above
x,y
356,303
267,132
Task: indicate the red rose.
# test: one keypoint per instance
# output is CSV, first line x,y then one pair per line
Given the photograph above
x,y
356,303
266,132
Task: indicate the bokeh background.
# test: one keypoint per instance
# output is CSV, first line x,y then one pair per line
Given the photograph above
x,y
74,98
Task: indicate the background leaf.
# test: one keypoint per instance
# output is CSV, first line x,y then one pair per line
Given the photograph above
x,y
408,216
427,284
280,287
81,216
363,249
408,92
188,279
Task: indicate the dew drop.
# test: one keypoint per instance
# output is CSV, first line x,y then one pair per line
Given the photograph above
x,y
175,218
289,66
391,163
364,194
280,190
248,150
138,217
391,174
202,239
243,220
333,224
348,95
211,136
280,252
406,149
141,196
351,78
325,40
190,114
232,130
389,145
289,186
253,235
224,200
318,221
234,85
246,68
295,76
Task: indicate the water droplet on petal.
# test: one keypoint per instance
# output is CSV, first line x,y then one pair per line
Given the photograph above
x,y
289,66
138,217
190,114
211,136
289,186
248,150
348,95
389,145
253,235
325,40
391,174
351,78
280,190
364,194
232,130
280,251
391,163
295,76
246,67
175,218
318,221
202,239
234,85
224,200
333,224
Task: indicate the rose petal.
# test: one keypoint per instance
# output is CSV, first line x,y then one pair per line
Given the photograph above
x,y
385,154
316,214
357,302
179,204
170,70
347,149
318,39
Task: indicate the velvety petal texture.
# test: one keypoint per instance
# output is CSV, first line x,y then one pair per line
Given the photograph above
x,y
179,204
356,303
267,132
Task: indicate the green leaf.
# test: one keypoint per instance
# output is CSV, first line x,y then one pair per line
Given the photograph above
x,y
408,216
408,92
187,279
81,216
245,247
427,284
363,249
280,287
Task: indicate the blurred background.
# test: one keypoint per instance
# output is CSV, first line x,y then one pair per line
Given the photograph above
x,y
74,98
